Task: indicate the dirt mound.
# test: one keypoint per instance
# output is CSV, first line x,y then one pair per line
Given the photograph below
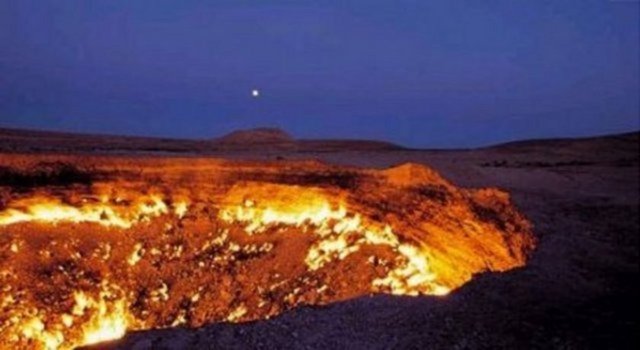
x,y
413,174
256,136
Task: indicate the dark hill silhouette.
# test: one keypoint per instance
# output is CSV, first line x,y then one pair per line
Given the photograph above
x,y
269,139
257,135
260,139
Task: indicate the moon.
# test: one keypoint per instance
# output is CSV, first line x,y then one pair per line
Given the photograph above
x,y
255,93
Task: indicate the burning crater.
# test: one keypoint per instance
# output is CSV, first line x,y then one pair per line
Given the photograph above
x,y
123,244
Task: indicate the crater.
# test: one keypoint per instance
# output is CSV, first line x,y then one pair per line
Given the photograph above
x,y
188,242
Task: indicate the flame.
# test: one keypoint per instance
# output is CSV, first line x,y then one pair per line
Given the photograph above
x,y
34,329
138,258
135,255
237,313
95,319
340,234
107,321
414,276
52,210
180,209
308,209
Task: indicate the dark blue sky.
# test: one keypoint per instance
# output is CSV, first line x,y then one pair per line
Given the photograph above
x,y
421,73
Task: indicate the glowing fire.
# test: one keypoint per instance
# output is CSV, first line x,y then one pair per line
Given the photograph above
x,y
82,268
52,210
107,321
97,320
339,234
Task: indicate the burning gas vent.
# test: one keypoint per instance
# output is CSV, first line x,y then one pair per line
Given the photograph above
x,y
139,244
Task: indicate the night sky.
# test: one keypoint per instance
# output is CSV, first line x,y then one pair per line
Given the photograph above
x,y
420,73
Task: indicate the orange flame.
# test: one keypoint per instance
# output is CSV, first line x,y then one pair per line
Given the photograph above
x,y
131,282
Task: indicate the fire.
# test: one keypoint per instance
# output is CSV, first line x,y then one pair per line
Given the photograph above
x,y
82,266
35,329
286,207
136,255
414,276
97,319
339,235
52,210
237,313
106,321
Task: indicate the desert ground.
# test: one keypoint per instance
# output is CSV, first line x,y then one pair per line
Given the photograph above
x,y
577,289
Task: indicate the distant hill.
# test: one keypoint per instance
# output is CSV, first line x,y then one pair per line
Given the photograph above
x,y
258,135
259,139
623,138
273,139
597,145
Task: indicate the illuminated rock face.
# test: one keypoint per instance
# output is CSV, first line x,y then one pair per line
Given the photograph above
x,y
188,242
